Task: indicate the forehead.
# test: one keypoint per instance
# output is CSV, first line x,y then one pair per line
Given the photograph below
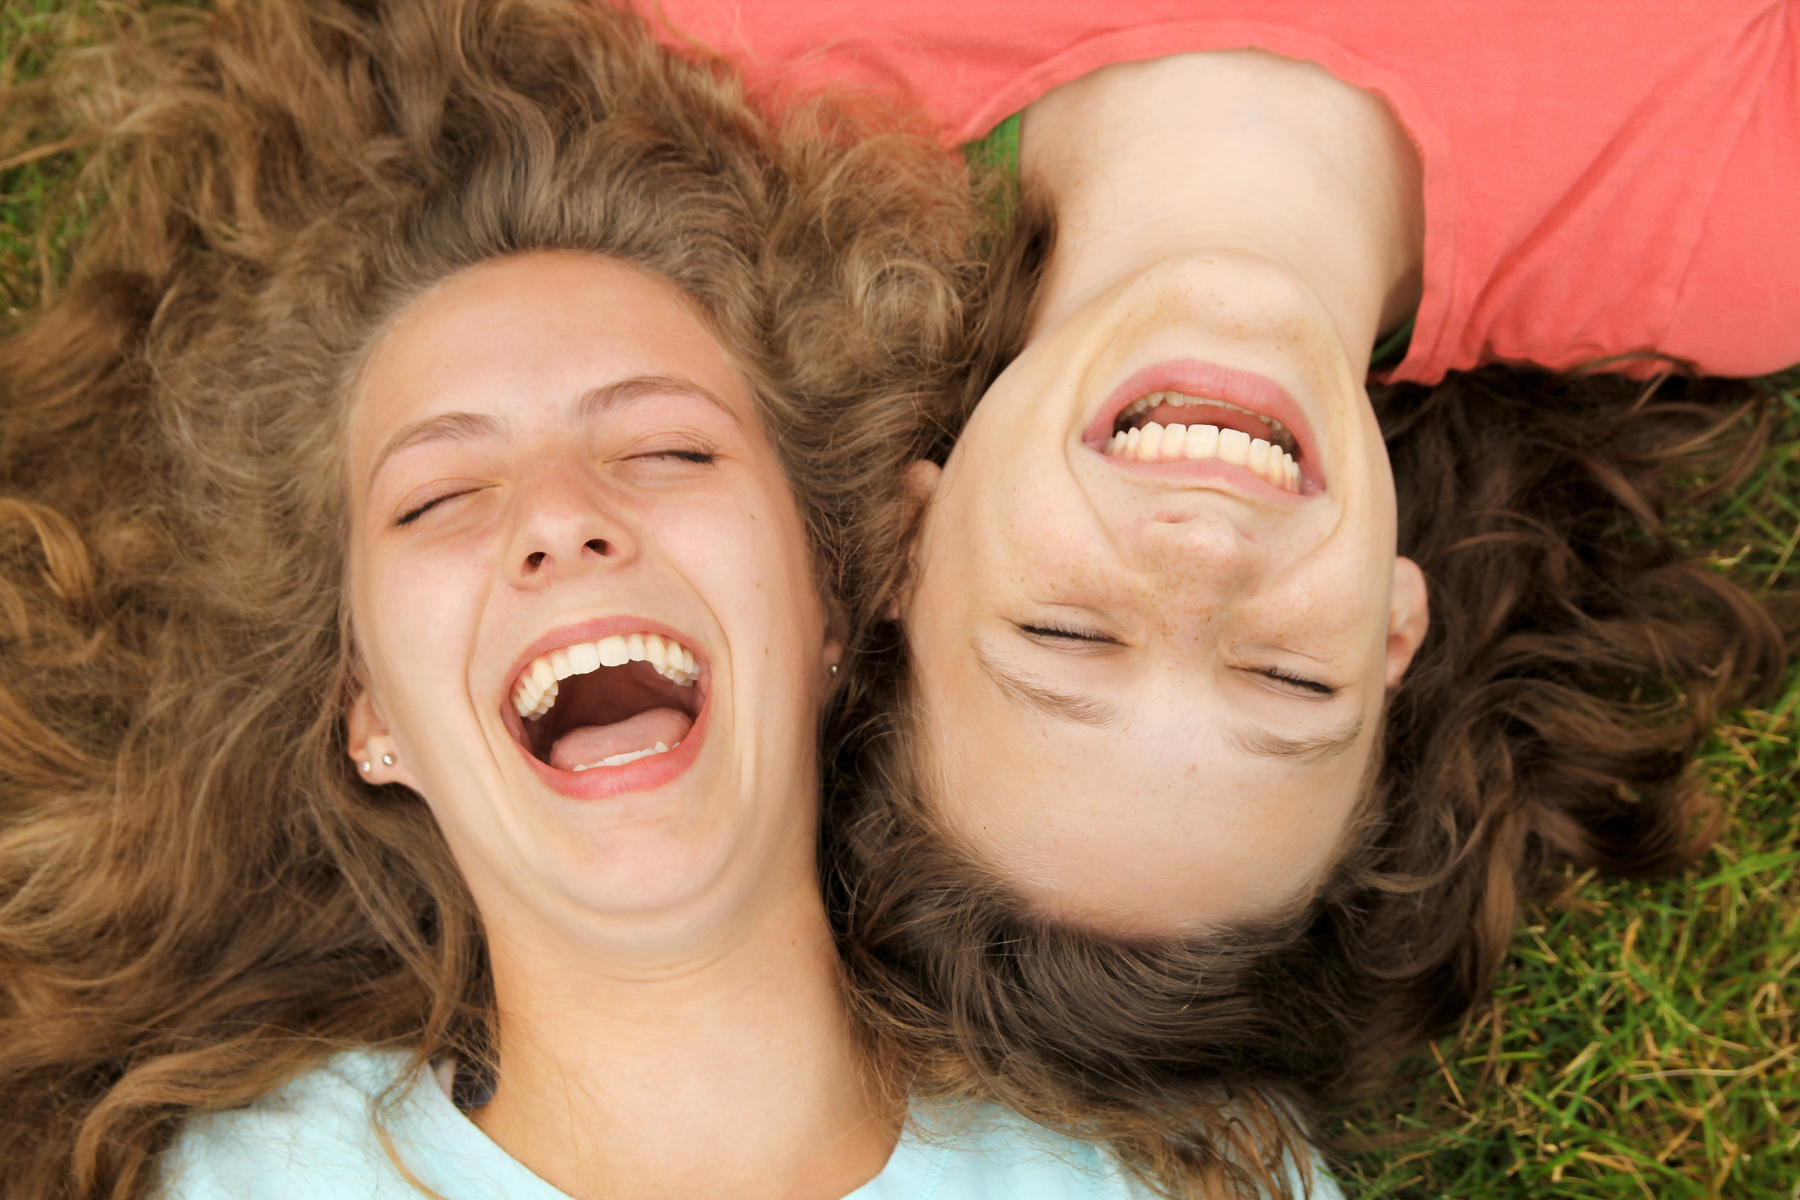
x,y
518,332
1153,827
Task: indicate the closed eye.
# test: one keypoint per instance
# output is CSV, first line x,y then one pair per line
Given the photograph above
x,y
1067,635
412,515
1298,681
700,458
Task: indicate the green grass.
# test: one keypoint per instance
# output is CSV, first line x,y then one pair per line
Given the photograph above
x,y
35,232
1642,1040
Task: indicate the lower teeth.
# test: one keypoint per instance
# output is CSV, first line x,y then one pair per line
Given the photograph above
x,y
619,760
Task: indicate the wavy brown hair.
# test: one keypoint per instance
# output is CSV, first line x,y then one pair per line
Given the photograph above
x,y
198,896
1575,659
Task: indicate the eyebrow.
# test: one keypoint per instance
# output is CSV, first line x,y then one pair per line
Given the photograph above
x,y
1031,692
469,427
1318,747
625,391
445,427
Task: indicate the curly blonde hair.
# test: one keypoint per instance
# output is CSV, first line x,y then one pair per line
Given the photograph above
x,y
198,897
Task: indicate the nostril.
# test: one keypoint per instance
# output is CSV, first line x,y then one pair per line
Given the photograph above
x,y
534,561
597,545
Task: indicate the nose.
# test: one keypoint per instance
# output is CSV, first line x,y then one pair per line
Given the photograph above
x,y
1199,558
562,524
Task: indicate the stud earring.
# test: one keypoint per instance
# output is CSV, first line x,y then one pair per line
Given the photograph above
x,y
367,767
387,760
832,668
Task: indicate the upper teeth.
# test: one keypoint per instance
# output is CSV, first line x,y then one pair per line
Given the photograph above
x,y
1278,431
1165,443
536,689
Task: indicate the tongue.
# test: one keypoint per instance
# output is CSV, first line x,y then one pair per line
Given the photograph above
x,y
586,746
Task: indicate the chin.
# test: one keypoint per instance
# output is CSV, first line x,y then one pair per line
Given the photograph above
x,y
646,869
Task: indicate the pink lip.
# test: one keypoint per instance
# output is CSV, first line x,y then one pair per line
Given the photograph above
x,y
643,775
1228,477
1247,390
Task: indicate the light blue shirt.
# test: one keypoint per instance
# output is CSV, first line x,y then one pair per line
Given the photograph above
x,y
315,1139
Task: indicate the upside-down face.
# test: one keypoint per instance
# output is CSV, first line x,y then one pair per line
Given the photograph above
x,y
1156,603
584,598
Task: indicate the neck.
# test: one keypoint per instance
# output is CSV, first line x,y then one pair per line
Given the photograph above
x,y
1239,152
728,1068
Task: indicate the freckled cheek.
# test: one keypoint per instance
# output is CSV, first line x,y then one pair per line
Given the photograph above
x,y
750,564
1330,597
1046,551
416,616
1317,631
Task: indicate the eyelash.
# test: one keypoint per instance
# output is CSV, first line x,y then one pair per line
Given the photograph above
x,y
1078,635
1299,681
415,514
1275,673
701,458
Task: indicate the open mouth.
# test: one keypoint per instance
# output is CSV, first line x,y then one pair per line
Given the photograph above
x,y
1167,426
605,703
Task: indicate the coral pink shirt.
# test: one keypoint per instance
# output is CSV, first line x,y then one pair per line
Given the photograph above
x,y
1601,177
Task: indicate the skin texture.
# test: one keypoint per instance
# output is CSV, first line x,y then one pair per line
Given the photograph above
x,y
670,1023
1151,691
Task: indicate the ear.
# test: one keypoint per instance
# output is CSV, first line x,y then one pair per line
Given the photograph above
x,y
920,484
1409,617
371,746
833,649
829,660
